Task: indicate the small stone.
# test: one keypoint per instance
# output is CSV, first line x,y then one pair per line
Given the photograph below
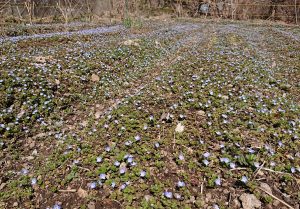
x,y
276,203
95,78
201,113
249,201
236,203
82,193
15,204
266,187
179,128
147,198
208,197
91,205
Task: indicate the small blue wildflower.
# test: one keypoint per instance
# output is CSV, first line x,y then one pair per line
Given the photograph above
x,y
168,195
123,170
224,160
33,181
293,170
180,184
117,163
137,138
218,181
93,185
99,159
132,164
129,159
205,162
102,176
128,143
57,206
181,157
123,186
206,154
232,165
113,184
156,145
215,206
107,148
24,171
143,173
244,179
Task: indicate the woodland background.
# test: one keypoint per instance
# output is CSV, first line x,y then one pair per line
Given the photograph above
x,y
70,10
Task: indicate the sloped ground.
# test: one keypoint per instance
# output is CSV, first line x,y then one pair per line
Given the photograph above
x,y
180,115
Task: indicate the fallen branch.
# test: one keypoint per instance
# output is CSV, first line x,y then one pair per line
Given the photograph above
x,y
279,172
258,169
289,206
67,190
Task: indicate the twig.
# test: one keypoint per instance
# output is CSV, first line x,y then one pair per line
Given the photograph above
x,y
86,169
258,169
235,169
280,172
201,188
174,141
67,190
289,206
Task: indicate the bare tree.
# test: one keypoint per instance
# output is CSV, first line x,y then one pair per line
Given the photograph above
x,y
29,4
66,8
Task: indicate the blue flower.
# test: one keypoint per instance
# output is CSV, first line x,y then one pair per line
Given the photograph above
x,y
129,159
57,206
180,184
232,165
99,159
293,170
244,179
123,186
205,162
143,173
168,195
123,170
181,157
224,160
102,176
206,154
156,145
93,185
117,163
107,148
137,138
33,181
216,206
24,171
218,181
113,184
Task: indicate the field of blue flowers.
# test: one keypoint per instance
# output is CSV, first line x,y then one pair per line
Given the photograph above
x,y
174,115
